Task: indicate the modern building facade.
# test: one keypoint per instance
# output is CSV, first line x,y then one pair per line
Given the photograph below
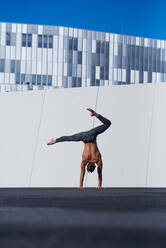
x,y
42,57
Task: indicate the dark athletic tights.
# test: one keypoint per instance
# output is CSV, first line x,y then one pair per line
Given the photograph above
x,y
88,136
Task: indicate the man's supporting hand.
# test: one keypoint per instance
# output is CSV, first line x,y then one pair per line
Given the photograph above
x,y
82,174
93,113
99,171
51,142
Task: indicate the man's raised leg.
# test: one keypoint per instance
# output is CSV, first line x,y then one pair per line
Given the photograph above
x,y
100,129
75,137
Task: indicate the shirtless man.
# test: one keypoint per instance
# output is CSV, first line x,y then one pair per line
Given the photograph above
x,y
91,153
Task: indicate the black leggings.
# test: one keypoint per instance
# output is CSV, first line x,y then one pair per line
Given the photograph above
x,y
88,136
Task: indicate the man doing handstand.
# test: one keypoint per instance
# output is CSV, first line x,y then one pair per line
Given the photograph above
x,y
91,153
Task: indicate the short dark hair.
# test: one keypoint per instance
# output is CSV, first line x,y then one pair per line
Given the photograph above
x,y
91,167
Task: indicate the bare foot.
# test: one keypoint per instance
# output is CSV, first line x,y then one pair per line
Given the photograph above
x,y
92,111
51,142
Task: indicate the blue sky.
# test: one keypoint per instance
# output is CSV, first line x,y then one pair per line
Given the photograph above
x,y
141,18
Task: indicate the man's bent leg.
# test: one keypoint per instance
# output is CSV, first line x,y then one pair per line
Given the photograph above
x,y
100,129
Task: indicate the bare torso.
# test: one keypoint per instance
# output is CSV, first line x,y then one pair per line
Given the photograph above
x,y
91,153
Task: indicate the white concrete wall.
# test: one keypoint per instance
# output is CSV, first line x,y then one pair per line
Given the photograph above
x,y
20,113
157,158
133,148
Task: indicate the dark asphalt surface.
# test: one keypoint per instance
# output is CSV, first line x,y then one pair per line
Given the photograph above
x,y
49,217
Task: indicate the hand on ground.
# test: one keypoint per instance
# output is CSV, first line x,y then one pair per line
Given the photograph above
x,y
99,187
92,111
51,142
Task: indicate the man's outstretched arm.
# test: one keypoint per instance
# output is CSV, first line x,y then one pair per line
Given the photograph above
x,y
83,164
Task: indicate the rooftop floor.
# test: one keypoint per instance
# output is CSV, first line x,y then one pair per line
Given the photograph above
x,y
49,217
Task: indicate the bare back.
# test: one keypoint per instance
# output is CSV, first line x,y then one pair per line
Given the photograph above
x,y
91,153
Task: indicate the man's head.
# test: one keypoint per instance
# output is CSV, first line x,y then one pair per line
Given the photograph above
x,y
90,167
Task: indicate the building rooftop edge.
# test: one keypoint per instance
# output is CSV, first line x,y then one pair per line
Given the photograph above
x,y
83,29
